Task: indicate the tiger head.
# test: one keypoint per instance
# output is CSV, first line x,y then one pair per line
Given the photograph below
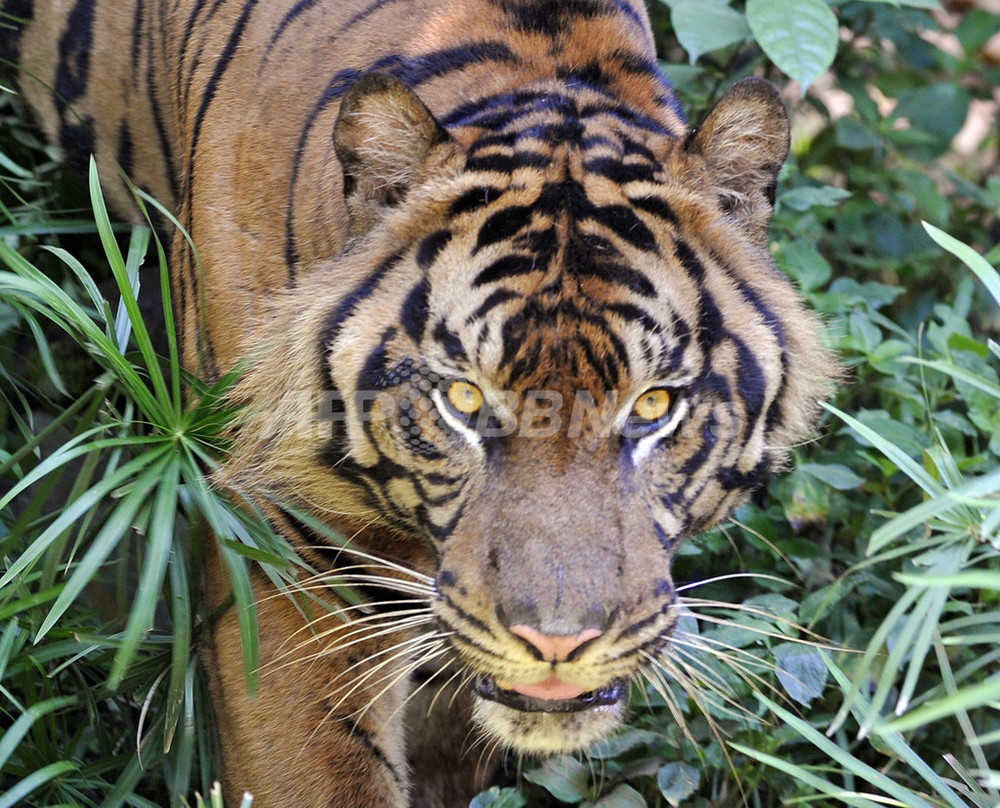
x,y
553,346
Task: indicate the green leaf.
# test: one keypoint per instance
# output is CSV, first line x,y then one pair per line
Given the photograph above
x,y
158,548
939,110
621,796
967,698
16,732
621,742
801,671
800,38
843,757
973,260
677,781
802,199
563,777
836,475
498,797
702,26
35,780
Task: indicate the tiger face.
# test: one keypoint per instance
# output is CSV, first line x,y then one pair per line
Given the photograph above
x,y
562,349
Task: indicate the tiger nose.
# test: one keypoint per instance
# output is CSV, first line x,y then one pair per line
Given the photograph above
x,y
554,648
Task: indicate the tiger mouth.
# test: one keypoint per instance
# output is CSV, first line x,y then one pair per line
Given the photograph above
x,y
607,696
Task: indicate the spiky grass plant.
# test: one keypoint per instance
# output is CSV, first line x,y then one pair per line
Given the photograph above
x,y
934,660
105,517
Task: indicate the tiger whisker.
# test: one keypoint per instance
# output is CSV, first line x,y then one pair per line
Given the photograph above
x,y
694,604
451,702
346,620
360,634
413,693
435,645
668,666
404,673
378,561
654,675
710,681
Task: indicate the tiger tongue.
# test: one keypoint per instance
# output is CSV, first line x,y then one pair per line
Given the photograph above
x,y
551,689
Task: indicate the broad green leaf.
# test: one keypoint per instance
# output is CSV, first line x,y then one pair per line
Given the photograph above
x,y
801,671
677,781
939,110
806,197
703,27
497,797
799,37
621,796
564,777
621,742
835,475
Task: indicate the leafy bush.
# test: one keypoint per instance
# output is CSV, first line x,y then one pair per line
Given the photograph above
x,y
839,643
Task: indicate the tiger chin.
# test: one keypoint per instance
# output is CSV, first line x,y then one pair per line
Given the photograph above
x,y
511,327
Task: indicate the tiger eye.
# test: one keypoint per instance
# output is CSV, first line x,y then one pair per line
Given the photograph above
x,y
653,404
465,397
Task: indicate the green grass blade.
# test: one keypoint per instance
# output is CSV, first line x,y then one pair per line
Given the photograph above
x,y
82,275
956,372
116,524
900,749
74,511
906,464
968,256
159,543
968,697
246,612
182,619
13,736
815,782
35,780
847,761
45,354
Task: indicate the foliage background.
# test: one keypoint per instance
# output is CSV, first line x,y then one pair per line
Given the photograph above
x,y
841,642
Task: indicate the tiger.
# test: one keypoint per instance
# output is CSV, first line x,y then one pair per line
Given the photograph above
x,y
508,324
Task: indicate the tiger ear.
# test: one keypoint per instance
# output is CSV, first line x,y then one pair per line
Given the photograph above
x,y
383,136
744,140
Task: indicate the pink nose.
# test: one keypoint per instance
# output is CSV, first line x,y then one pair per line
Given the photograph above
x,y
554,648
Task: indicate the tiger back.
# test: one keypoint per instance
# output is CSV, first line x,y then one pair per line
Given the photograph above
x,y
511,328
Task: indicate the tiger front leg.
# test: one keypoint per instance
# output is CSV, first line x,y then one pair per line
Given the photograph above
x,y
326,726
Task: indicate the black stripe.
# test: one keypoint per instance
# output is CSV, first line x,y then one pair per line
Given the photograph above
x,y
348,305
497,298
413,315
507,163
75,46
354,731
430,247
507,267
450,341
474,199
125,153
657,207
503,224
549,19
